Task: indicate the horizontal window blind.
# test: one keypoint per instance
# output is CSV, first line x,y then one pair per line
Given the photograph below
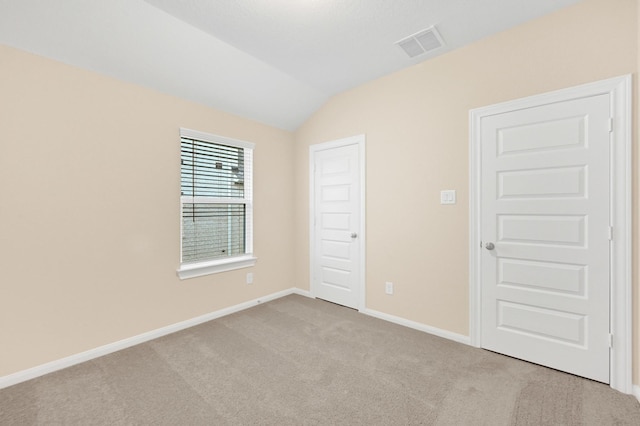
x,y
215,199
211,170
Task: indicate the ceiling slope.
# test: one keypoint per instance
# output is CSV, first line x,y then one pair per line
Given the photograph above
x,y
136,42
273,61
334,45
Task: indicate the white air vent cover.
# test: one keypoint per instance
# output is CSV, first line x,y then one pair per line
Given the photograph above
x,y
421,42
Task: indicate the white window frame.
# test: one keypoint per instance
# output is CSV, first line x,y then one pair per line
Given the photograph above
x,y
197,269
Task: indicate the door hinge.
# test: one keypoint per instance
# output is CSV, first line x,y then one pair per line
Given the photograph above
x,y
611,233
611,125
611,340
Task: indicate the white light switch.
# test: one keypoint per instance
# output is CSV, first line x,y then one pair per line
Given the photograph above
x,y
448,196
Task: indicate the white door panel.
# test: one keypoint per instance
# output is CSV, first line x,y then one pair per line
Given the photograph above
x,y
336,219
545,207
542,276
550,182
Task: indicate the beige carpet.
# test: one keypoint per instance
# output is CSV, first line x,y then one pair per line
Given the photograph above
x,y
300,361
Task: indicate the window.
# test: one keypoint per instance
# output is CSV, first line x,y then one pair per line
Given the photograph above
x,y
215,204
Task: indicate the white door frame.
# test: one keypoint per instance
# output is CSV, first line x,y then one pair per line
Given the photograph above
x,y
619,88
358,140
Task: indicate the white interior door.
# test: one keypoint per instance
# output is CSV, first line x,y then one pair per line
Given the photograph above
x,y
336,222
545,227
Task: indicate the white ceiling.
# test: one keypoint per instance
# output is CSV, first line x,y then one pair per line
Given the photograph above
x,y
274,61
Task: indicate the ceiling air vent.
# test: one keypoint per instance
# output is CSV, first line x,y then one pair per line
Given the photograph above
x,y
421,42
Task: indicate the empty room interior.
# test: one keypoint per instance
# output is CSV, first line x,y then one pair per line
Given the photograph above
x,y
401,181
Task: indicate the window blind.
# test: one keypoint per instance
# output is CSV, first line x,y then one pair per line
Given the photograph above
x,y
211,170
215,200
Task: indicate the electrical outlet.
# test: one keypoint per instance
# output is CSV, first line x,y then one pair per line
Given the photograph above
x,y
249,277
388,287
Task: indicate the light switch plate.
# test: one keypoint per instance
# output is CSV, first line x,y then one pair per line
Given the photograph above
x,y
448,196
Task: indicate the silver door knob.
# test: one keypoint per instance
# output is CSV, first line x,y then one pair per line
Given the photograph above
x,y
489,246
354,235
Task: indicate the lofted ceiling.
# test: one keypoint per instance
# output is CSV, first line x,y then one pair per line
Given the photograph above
x,y
273,61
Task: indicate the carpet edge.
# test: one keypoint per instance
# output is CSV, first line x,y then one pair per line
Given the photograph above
x,y
62,363
419,326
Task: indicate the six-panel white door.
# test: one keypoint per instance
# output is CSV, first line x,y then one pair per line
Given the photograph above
x,y
545,209
336,217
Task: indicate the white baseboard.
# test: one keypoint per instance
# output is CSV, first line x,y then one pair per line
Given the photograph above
x,y
405,322
50,367
635,390
301,292
419,326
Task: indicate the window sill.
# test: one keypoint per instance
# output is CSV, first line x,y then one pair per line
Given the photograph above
x,y
192,270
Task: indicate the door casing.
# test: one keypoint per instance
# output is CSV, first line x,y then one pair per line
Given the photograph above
x,y
358,140
619,89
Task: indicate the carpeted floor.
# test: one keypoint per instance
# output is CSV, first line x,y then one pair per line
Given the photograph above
x,y
300,361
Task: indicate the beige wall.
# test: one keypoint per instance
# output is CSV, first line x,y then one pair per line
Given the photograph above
x,y
89,211
416,126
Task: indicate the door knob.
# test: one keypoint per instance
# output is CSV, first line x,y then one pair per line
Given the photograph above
x,y
354,235
489,246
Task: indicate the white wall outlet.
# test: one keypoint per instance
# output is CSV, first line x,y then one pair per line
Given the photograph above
x,y
388,287
448,196
249,277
